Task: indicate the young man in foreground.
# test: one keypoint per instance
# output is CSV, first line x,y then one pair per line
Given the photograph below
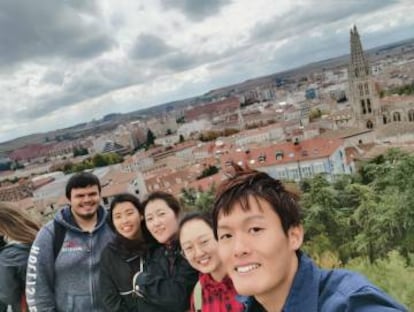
x,y
62,273
257,224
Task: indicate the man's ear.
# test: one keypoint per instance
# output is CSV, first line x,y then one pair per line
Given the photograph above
x,y
295,234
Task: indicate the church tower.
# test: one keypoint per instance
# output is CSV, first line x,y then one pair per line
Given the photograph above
x,y
363,96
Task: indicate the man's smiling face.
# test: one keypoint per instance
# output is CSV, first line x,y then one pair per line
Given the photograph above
x,y
259,256
85,201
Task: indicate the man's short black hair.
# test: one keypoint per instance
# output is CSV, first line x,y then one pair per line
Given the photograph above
x,y
244,183
82,180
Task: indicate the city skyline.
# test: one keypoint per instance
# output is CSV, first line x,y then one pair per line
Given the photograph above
x,y
93,59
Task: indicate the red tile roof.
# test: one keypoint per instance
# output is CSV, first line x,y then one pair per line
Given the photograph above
x,y
288,152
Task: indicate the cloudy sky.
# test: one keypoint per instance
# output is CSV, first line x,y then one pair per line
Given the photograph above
x,y
69,61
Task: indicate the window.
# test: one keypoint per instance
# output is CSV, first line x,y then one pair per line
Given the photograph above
x,y
262,158
364,110
294,174
361,90
411,115
282,174
384,119
317,168
366,89
306,172
396,116
370,125
279,155
369,106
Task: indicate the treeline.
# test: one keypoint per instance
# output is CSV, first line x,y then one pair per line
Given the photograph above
x,y
212,135
407,89
368,214
98,160
363,222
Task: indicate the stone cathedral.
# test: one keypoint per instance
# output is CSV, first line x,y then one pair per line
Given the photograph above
x,y
368,110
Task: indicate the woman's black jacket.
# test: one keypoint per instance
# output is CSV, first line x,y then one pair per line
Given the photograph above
x,y
168,280
117,268
166,283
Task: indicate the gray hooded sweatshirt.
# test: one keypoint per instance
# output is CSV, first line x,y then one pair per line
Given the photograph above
x,y
13,262
69,283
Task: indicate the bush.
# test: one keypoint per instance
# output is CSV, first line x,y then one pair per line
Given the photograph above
x,y
390,274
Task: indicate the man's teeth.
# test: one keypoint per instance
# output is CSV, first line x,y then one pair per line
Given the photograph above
x,y
247,268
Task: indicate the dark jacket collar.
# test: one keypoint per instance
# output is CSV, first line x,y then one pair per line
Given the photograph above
x,y
304,291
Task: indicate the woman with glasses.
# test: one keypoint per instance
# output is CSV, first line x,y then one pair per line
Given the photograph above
x,y
214,291
167,280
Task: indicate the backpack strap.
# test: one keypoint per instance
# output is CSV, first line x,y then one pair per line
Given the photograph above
x,y
60,232
197,296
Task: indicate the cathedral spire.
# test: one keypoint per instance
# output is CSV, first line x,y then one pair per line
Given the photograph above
x,y
364,100
359,64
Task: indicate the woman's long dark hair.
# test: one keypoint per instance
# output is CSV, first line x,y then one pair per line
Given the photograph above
x,y
121,243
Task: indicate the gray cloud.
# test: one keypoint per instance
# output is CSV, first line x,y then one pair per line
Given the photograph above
x,y
180,60
196,10
53,77
301,18
331,44
51,29
149,46
89,6
94,82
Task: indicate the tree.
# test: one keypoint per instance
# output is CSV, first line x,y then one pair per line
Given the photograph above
x,y
195,200
180,120
80,151
366,221
209,171
99,160
188,198
150,138
315,113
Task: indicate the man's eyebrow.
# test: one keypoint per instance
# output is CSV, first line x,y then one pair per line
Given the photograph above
x,y
246,220
223,227
254,218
